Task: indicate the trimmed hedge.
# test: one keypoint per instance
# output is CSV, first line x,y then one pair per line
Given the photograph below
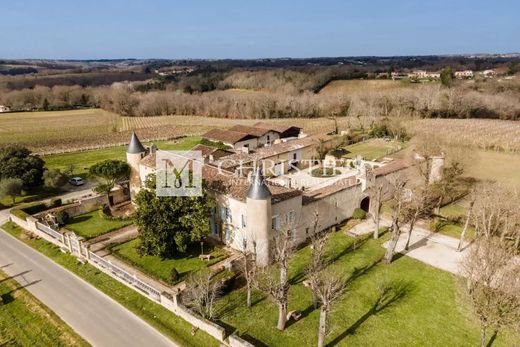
x,y
26,210
359,214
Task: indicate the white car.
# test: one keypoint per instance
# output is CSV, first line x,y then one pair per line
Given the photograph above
x,y
77,181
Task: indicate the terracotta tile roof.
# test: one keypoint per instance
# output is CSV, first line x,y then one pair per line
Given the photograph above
x,y
226,183
253,131
226,136
335,187
217,153
391,167
278,128
266,152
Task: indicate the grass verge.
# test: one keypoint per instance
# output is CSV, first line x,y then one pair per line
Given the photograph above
x,y
25,321
156,315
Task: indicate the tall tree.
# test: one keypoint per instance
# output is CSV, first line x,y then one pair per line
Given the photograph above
x,y
18,162
110,173
377,193
447,76
167,224
327,286
492,284
202,290
399,198
274,280
11,187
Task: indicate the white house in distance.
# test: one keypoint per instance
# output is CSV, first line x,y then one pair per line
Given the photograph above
x,y
252,207
4,108
465,74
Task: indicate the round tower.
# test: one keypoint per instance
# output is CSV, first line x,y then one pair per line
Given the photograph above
x,y
258,211
134,153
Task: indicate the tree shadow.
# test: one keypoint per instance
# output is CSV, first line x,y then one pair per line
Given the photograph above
x,y
355,245
389,294
17,275
6,265
8,297
492,339
303,314
79,219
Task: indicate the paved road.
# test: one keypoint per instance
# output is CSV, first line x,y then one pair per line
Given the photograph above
x,y
93,315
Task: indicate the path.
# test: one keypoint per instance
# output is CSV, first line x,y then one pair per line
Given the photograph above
x,y
431,248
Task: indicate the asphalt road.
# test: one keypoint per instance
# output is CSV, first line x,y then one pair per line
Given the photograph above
x,y
92,314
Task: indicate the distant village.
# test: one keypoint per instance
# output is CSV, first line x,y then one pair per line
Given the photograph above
x,y
434,75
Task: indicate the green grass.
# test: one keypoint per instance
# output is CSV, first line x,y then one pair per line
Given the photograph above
x,y
161,268
156,315
453,211
83,160
420,307
25,321
33,194
373,149
91,224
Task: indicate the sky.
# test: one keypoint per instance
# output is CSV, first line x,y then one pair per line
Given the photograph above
x,y
93,29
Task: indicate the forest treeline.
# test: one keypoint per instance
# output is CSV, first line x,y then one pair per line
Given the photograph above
x,y
275,93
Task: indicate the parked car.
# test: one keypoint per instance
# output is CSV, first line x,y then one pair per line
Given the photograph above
x,y
77,181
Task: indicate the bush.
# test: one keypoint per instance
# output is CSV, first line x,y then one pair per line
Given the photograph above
x,y
34,208
56,202
174,276
19,213
62,217
328,172
438,224
359,214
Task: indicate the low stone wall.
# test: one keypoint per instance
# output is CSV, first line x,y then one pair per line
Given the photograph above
x,y
237,341
74,245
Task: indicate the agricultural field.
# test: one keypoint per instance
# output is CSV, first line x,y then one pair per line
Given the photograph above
x,y
487,134
496,166
25,321
350,86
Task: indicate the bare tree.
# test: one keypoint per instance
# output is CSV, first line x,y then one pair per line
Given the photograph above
x,y
398,187
377,202
317,263
492,284
247,264
466,225
273,280
327,286
492,209
202,289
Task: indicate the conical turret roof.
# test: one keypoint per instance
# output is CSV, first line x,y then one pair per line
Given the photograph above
x,y
135,146
258,189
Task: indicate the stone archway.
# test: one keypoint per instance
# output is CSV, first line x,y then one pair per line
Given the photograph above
x,y
365,204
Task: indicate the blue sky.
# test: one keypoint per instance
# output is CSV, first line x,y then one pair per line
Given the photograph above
x,y
73,29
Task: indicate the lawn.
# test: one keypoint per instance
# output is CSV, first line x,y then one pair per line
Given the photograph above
x,y
91,224
454,229
373,149
161,268
418,304
33,194
25,321
156,315
83,160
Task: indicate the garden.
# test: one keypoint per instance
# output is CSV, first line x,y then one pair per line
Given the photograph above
x,y
95,223
173,269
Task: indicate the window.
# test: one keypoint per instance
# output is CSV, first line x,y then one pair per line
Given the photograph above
x,y
275,224
244,221
225,214
290,217
228,215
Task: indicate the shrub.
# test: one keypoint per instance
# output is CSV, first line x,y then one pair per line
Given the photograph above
x,y
34,208
56,202
359,214
438,224
62,217
174,276
19,213
327,172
